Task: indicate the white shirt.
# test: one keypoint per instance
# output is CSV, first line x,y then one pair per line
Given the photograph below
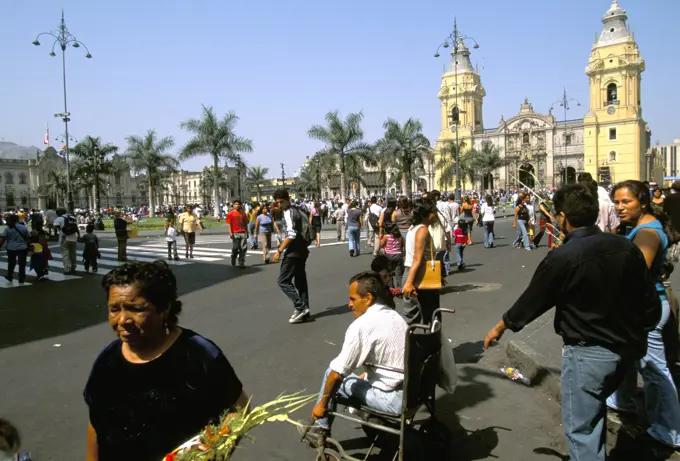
x,y
290,229
377,337
59,222
376,210
171,234
487,213
607,219
410,245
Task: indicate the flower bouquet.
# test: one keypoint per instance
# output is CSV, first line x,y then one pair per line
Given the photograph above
x,y
217,442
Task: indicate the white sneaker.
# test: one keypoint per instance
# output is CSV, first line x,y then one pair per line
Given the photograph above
x,y
299,316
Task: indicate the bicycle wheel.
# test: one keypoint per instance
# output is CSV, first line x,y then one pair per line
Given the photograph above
x,y
328,455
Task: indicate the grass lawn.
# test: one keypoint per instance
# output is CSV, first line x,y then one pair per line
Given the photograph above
x,y
159,223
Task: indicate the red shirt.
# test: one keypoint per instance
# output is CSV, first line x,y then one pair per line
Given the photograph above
x,y
237,221
460,235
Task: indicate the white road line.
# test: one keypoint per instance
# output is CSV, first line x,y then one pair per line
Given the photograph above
x,y
133,256
55,276
157,247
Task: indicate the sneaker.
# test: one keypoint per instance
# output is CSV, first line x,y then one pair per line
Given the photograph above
x,y
299,316
242,265
528,249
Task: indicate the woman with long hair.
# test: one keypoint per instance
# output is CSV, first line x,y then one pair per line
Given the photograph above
x,y
521,222
315,222
650,233
402,216
386,216
420,304
487,211
393,244
468,216
355,221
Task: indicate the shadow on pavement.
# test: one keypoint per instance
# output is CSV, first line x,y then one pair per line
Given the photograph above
x,y
329,311
458,288
57,308
471,352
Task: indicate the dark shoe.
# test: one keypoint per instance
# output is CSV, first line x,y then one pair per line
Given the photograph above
x,y
351,253
176,258
233,261
242,265
299,316
94,271
191,256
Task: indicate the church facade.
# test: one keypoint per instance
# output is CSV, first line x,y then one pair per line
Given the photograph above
x,y
612,142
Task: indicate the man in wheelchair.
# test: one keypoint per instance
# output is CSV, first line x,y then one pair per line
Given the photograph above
x,y
377,336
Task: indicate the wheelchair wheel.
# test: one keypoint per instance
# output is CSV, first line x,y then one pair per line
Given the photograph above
x,y
328,455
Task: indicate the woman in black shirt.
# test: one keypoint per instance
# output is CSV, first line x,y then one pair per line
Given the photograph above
x,y
157,385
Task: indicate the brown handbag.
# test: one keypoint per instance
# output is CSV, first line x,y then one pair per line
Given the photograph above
x,y
431,275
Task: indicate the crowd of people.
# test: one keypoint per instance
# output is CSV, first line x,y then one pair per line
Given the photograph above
x,y
606,273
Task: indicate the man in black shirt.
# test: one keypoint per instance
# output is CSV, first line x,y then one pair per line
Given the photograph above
x,y
606,303
120,226
671,206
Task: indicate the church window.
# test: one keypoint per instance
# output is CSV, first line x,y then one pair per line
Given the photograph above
x,y
525,139
117,178
568,139
455,116
9,199
22,178
24,200
612,94
9,178
612,134
612,157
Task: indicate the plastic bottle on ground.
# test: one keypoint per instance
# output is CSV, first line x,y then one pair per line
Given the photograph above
x,y
515,375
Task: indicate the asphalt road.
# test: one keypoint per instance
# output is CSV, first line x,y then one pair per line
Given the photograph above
x,y
51,332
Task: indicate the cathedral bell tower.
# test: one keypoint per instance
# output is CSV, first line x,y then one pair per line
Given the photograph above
x,y
615,135
461,95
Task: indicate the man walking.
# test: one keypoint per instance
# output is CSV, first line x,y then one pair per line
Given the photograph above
x,y
293,275
120,225
604,326
339,216
237,225
373,218
69,233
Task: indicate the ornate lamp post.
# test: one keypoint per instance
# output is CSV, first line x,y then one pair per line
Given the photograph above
x,y
64,38
564,103
457,42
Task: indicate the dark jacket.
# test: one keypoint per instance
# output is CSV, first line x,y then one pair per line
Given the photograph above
x,y
603,291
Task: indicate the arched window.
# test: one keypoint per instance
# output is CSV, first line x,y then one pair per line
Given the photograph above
x,y
24,200
525,139
612,94
455,116
22,178
9,198
612,157
117,178
119,199
9,178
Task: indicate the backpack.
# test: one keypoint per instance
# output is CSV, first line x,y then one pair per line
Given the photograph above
x,y
305,232
373,219
70,225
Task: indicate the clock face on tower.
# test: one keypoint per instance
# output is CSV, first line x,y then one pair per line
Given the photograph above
x,y
611,110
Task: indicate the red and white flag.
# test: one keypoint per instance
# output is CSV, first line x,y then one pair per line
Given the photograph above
x,y
47,136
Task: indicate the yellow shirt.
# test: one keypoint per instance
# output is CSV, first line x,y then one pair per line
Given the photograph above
x,y
188,222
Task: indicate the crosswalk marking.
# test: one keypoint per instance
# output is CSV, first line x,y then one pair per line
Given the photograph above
x,y
141,256
163,250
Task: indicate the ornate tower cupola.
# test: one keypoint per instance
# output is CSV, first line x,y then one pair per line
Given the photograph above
x,y
615,136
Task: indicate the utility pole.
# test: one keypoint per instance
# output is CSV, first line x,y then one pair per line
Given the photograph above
x,y
283,175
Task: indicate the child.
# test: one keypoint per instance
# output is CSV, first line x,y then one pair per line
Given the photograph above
x,y
381,264
394,244
460,238
91,251
40,252
171,238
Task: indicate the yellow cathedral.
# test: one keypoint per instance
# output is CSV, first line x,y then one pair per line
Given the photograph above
x,y
612,141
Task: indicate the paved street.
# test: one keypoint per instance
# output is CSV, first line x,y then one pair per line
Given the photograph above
x,y
51,332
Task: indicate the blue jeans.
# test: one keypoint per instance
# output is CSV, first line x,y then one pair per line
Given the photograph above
x,y
251,233
522,234
363,392
488,233
460,248
589,375
661,398
354,239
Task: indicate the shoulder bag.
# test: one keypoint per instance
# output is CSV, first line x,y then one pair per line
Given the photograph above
x,y
431,278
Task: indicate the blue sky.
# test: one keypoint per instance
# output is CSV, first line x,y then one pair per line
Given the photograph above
x,y
281,65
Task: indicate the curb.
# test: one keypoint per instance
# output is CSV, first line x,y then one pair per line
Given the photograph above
x,y
519,354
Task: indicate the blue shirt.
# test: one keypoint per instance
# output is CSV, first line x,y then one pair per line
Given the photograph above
x,y
16,238
660,258
266,225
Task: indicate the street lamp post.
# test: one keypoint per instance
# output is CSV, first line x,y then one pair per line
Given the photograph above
x,y
564,103
97,162
64,38
456,40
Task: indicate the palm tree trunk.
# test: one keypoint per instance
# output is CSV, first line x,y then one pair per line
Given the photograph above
x,y
343,184
152,209
216,207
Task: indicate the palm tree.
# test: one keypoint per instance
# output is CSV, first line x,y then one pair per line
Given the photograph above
x,y
216,138
257,176
91,163
407,145
213,180
56,185
316,171
486,160
343,139
383,162
148,155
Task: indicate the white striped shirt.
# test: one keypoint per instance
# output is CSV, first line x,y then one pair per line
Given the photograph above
x,y
377,337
